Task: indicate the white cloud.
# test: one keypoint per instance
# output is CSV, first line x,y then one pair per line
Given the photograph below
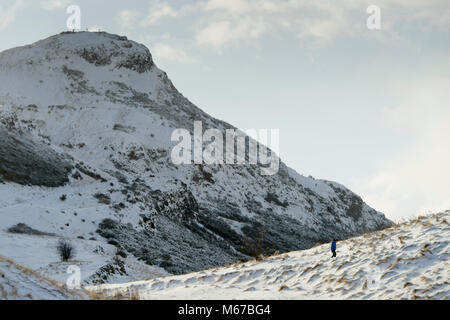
x,y
219,23
159,10
8,12
420,13
55,4
219,34
224,22
163,51
232,6
128,18
416,179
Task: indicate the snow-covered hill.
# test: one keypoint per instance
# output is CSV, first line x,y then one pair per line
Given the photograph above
x,y
407,261
85,141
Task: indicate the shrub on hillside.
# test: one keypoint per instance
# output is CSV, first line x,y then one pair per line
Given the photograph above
x,y
66,250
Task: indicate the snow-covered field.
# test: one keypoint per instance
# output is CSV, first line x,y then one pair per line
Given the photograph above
x,y
20,283
39,253
70,219
406,261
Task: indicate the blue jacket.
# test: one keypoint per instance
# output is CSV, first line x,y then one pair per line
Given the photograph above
x,y
333,245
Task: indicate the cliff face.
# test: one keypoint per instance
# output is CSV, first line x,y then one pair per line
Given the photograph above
x,y
93,117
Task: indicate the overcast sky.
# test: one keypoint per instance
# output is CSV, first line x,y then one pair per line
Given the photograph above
x,y
367,108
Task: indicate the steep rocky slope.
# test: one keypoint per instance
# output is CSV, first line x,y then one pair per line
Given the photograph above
x,y
86,124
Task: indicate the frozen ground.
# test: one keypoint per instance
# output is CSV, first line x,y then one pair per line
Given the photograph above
x,y
406,261
20,283
41,209
92,257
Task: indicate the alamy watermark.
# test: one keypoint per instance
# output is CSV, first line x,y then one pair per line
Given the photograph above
x,y
373,279
74,280
73,22
374,20
252,147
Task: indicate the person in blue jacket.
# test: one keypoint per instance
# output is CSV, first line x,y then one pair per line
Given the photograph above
x,y
333,248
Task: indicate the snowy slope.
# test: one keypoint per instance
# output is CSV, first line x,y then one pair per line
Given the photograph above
x,y
95,259
406,261
30,205
85,140
20,283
